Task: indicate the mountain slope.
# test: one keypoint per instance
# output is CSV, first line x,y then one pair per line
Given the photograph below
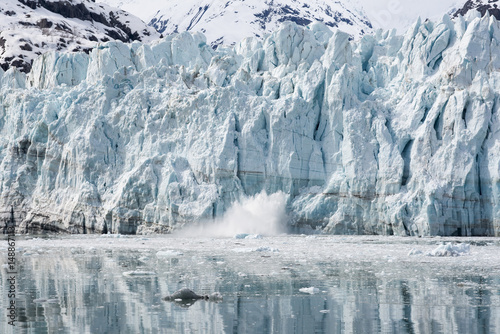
x,y
31,27
229,21
483,6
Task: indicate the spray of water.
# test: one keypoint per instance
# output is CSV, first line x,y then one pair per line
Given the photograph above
x,y
260,214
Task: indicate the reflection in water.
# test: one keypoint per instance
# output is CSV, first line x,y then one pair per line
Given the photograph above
x,y
87,290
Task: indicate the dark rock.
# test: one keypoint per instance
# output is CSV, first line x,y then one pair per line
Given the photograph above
x,y
26,47
44,23
185,294
491,7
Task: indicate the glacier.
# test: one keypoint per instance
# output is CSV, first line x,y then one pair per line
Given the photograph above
x,y
391,135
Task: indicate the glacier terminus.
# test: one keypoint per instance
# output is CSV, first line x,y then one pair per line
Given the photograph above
x,y
386,134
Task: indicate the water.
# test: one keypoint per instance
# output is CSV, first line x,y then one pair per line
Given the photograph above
x,y
92,284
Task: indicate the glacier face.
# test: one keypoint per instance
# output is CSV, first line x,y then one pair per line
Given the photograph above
x,y
386,135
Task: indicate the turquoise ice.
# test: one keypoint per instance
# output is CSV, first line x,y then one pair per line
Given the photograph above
x,y
386,135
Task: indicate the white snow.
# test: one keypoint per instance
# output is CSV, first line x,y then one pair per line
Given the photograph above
x,y
228,22
382,14
401,14
24,36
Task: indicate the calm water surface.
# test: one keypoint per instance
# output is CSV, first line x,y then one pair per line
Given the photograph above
x,y
117,285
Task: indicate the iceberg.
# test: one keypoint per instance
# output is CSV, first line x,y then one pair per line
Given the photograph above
x,y
391,135
311,290
449,249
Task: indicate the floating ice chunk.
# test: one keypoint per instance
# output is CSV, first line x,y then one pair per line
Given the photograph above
x,y
168,253
267,249
241,235
242,250
324,311
254,236
311,290
216,296
415,252
450,250
139,273
43,300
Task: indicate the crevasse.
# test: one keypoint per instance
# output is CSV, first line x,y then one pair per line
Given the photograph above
x,y
386,135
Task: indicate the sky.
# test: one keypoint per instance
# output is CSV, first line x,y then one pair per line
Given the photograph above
x,y
400,14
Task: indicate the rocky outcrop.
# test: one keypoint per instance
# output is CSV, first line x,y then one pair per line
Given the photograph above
x,y
482,6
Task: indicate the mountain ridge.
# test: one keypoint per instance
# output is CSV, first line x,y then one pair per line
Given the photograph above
x,y
482,6
29,28
228,22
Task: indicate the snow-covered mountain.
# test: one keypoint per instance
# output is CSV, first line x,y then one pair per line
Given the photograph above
x,y
483,6
229,21
29,28
383,135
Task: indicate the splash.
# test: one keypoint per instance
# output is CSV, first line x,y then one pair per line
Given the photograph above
x,y
260,214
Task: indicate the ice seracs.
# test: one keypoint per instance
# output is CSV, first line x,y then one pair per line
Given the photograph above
x,y
386,135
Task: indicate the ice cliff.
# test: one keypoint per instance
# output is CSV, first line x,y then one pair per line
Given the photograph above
x,y
386,135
